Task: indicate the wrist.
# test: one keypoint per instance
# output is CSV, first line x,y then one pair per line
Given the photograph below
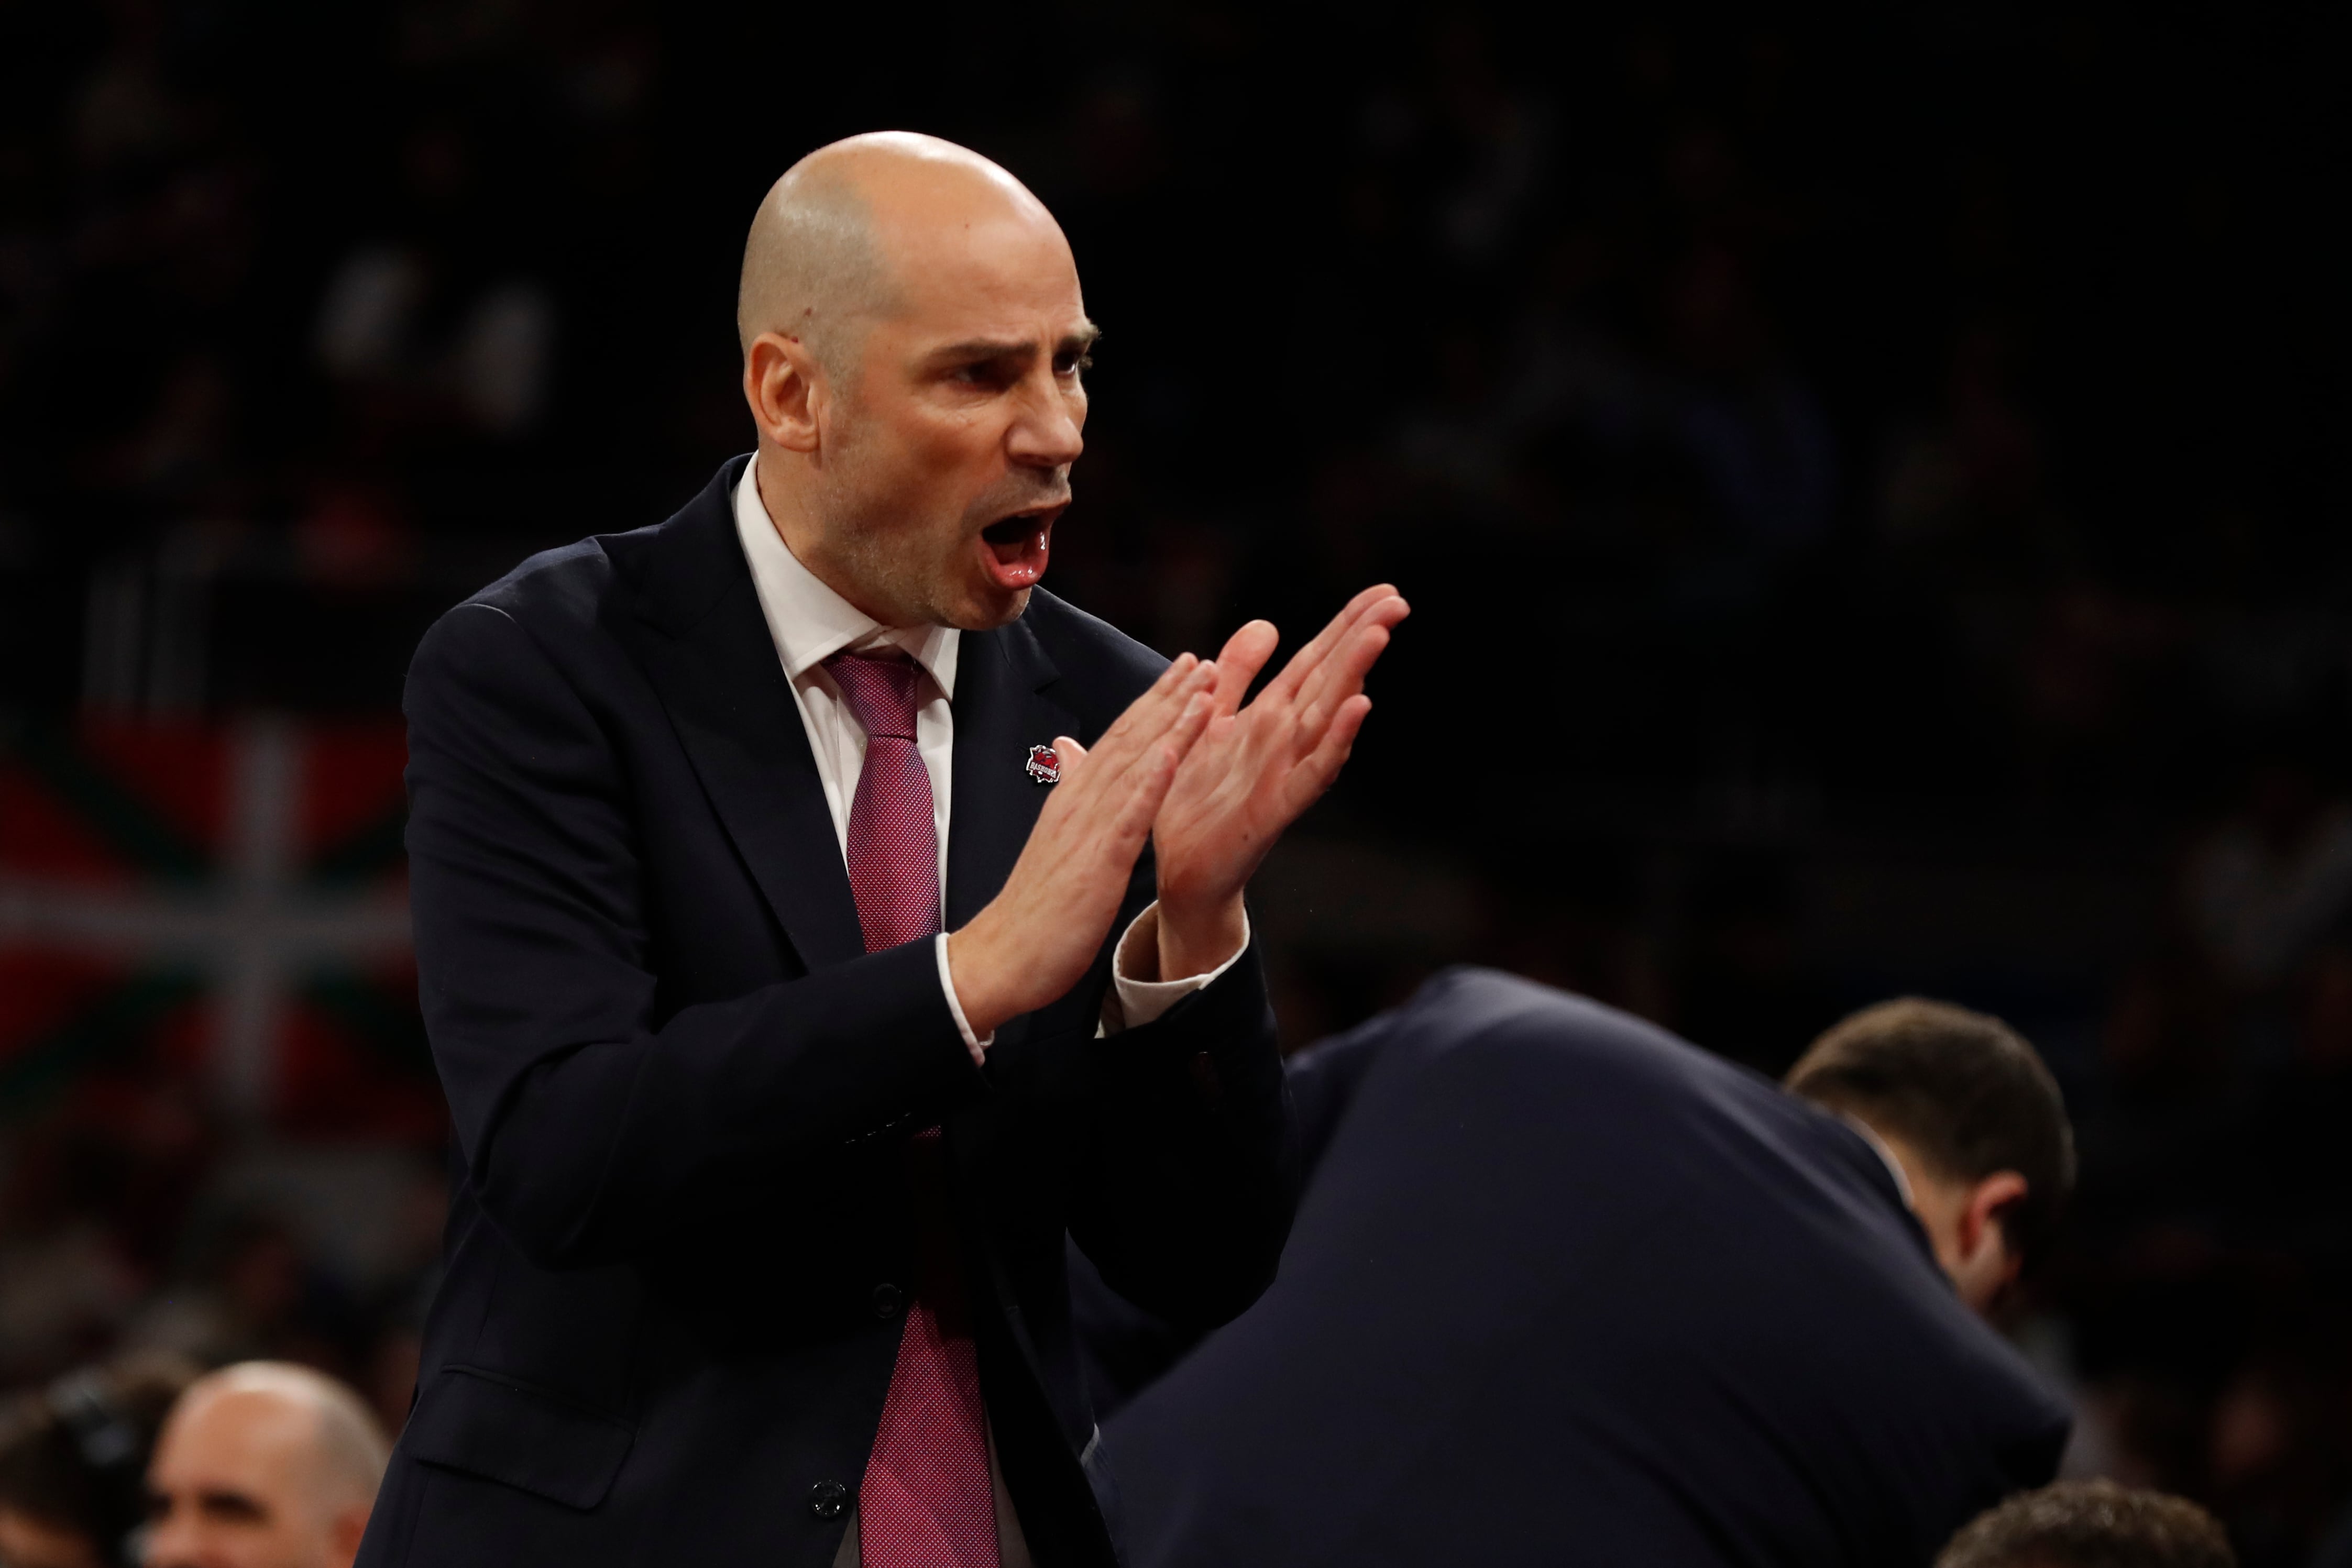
x,y
978,979
1196,938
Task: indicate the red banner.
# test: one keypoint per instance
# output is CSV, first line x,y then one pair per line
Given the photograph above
x,y
223,904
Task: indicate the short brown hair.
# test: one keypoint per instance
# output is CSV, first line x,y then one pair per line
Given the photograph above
x,y
2090,1524
1963,1090
74,1454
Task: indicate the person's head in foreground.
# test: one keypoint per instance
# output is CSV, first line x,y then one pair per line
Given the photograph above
x,y
2090,1524
1973,1118
913,341
264,1464
73,1460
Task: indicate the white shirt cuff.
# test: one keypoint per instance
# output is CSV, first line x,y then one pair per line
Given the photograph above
x,y
1132,1003
972,1042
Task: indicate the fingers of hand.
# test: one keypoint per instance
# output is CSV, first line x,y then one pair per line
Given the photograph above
x,y
1339,739
1150,713
1320,768
1148,716
1238,663
1192,722
1159,697
1307,659
1145,776
1353,611
1187,713
1176,744
1147,785
1348,662
1341,677
1274,758
1138,712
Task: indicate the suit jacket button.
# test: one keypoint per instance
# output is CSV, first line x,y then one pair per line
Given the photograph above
x,y
888,1300
828,1498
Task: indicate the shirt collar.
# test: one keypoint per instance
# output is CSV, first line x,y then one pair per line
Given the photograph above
x,y
809,622
1887,1157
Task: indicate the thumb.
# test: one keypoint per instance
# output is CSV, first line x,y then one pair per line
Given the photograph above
x,y
1070,754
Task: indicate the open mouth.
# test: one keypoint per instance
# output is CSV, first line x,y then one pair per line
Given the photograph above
x,y
1016,546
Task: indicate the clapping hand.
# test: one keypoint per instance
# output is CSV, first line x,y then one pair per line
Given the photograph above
x,y
1254,770
1036,936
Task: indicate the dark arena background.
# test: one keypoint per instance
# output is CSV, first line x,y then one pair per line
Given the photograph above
x,y
1874,493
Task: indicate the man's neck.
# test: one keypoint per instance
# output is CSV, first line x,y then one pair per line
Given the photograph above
x,y
779,498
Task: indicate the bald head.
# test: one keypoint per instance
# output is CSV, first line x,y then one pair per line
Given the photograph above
x,y
827,246
266,1463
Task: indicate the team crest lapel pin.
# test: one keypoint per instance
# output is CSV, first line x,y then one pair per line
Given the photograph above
x,y
1043,767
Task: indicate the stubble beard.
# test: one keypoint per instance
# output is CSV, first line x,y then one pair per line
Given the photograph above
x,y
906,571
879,550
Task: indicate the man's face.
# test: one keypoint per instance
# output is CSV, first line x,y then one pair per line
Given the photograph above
x,y
233,1485
947,454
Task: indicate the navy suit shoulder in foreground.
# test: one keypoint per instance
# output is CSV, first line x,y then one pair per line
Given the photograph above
x,y
680,1240
1563,1289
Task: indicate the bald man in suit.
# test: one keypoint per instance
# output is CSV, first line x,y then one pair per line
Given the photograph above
x,y
794,962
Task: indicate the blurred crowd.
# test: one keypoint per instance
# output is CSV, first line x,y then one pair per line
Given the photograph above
x,y
1865,492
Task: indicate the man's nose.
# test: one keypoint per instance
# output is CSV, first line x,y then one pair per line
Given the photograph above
x,y
170,1543
1046,433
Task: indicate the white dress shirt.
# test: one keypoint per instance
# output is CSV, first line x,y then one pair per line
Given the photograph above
x,y
1878,1147
810,623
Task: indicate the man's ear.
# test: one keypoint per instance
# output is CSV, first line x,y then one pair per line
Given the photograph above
x,y
1983,1240
786,391
345,1532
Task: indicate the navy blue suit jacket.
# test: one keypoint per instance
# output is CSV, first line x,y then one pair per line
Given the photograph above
x,y
1563,1289
680,1240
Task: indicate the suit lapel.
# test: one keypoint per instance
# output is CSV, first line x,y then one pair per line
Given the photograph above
x,y
1003,706
702,638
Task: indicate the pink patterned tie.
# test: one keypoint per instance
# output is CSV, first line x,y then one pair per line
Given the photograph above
x,y
926,1501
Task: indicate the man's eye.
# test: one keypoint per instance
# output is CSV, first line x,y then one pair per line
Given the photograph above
x,y
1072,366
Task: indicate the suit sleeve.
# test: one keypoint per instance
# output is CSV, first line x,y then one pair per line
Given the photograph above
x,y
589,1118
1196,1148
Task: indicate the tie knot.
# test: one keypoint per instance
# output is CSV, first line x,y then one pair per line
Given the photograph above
x,y
880,691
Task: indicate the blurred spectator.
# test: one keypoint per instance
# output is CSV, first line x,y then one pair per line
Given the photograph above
x,y
2275,878
264,1464
2090,1524
2164,1027
253,1294
1492,137
1750,426
67,1282
73,1462
490,369
421,330
1976,470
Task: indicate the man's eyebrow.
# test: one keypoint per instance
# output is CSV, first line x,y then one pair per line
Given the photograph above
x,y
979,348
986,348
221,1502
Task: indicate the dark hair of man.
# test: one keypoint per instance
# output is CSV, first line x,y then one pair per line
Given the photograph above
x,y
74,1454
2090,1524
1962,1090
